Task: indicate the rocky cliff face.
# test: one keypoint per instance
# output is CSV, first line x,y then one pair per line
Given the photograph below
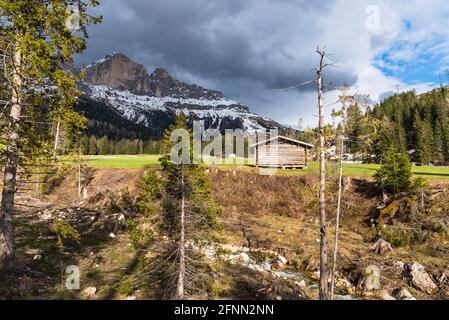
x,y
118,71
125,86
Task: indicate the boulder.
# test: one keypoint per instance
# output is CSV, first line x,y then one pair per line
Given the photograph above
x,y
403,294
283,260
386,296
345,284
398,267
37,257
419,278
302,284
278,265
347,183
381,247
90,291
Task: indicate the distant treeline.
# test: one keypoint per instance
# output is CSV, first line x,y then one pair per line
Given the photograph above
x,y
417,124
92,145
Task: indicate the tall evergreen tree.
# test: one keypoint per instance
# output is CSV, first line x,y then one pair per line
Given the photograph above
x,y
424,140
189,213
37,44
396,172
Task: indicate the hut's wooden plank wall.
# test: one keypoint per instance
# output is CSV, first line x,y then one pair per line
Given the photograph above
x,y
283,154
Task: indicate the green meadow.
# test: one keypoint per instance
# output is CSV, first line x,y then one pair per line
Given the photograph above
x,y
357,170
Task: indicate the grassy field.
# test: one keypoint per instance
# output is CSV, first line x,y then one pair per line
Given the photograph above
x,y
123,162
359,170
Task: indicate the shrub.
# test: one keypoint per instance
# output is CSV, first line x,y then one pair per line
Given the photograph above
x,y
397,237
435,227
395,175
64,232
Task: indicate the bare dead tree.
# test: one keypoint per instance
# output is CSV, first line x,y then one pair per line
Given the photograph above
x,y
55,148
323,286
337,222
344,98
182,244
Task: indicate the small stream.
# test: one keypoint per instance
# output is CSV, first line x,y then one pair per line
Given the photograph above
x,y
276,265
311,284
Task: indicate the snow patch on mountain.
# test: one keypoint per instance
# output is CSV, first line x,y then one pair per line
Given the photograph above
x,y
135,107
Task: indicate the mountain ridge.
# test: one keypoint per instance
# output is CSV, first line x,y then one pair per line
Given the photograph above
x,y
153,100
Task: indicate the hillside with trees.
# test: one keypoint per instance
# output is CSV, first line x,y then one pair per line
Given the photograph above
x,y
418,123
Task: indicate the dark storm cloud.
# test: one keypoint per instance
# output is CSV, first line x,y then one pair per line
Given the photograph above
x,y
255,40
264,44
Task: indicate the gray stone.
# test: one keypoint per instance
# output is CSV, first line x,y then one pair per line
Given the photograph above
x,y
420,279
90,291
398,267
386,296
381,247
403,294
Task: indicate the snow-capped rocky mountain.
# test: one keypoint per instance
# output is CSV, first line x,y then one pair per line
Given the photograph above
x,y
125,88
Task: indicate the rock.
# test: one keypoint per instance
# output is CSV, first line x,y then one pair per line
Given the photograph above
x,y
403,294
369,279
266,266
121,217
386,296
302,284
245,257
420,279
315,275
313,265
112,235
346,284
398,267
381,247
445,294
278,265
118,71
37,257
347,183
90,291
283,260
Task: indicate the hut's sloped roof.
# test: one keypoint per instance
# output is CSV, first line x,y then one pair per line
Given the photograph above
x,y
300,143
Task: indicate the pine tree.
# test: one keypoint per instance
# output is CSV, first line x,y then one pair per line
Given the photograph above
x,y
424,141
93,149
189,214
103,146
396,172
37,45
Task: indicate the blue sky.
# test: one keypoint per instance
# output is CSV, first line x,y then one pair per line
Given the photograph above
x,y
415,62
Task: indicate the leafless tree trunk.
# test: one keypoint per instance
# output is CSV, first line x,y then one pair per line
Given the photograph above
x,y
55,148
80,189
323,287
337,223
11,163
180,292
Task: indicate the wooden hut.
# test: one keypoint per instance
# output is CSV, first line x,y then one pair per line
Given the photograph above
x,y
281,152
